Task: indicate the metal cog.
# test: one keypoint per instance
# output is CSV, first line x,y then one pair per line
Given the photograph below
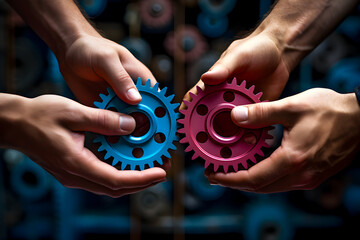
x,y
209,130
151,145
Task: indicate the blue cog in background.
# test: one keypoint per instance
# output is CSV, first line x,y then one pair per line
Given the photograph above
x,y
157,136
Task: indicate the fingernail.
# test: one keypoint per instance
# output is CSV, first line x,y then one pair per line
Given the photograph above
x,y
240,113
133,94
127,123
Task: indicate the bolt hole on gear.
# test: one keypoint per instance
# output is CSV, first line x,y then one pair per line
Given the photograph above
x,y
210,133
155,132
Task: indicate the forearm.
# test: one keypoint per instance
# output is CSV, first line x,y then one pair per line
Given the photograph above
x,y
298,26
12,111
58,22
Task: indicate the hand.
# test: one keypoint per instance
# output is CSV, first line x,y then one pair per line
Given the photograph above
x,y
255,59
52,135
90,64
321,137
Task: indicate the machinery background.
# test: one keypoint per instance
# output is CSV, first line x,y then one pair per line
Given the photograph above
x,y
178,41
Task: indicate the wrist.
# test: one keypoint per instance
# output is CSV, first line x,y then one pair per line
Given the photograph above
x,y
12,111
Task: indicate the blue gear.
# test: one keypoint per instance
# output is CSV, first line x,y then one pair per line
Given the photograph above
x,y
164,124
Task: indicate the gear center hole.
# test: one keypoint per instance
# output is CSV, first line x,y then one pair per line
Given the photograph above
x,y
224,126
142,124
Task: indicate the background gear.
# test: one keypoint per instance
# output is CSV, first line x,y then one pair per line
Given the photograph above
x,y
155,132
210,132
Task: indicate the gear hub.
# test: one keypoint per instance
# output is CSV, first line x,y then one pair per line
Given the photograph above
x,y
155,128
210,132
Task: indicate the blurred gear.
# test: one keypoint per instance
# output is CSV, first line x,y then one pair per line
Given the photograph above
x,y
156,14
155,132
210,132
186,43
217,8
212,27
139,48
93,7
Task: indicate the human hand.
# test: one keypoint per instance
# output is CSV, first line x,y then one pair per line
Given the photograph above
x,y
91,63
321,137
255,59
52,135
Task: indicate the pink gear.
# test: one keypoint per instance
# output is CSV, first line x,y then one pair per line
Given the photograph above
x,y
210,132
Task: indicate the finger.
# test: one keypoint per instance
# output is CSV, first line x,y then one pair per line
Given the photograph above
x,y
111,69
101,121
257,177
91,168
187,96
225,69
261,114
73,181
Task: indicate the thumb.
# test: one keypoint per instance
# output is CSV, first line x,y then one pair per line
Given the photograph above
x,y
259,114
102,121
113,72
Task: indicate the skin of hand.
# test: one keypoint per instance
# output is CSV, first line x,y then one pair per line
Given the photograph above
x,y
289,32
256,59
92,63
321,137
52,135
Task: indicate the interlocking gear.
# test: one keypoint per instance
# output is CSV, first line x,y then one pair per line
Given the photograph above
x,y
210,132
155,132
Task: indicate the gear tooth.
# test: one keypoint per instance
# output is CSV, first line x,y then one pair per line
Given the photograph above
x,y
187,103
216,167
148,83
226,168
252,88
107,155
175,105
245,165
243,84
269,136
182,121
176,138
207,163
182,111
156,86
171,97
123,166
103,96
101,148
258,96
159,161
114,162
194,156
132,166
141,166
172,146
178,115
138,82
97,140
266,145
167,154
192,95
188,149
260,153
181,130
236,167
253,159
163,91
184,140
151,164
234,81
97,104
198,89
